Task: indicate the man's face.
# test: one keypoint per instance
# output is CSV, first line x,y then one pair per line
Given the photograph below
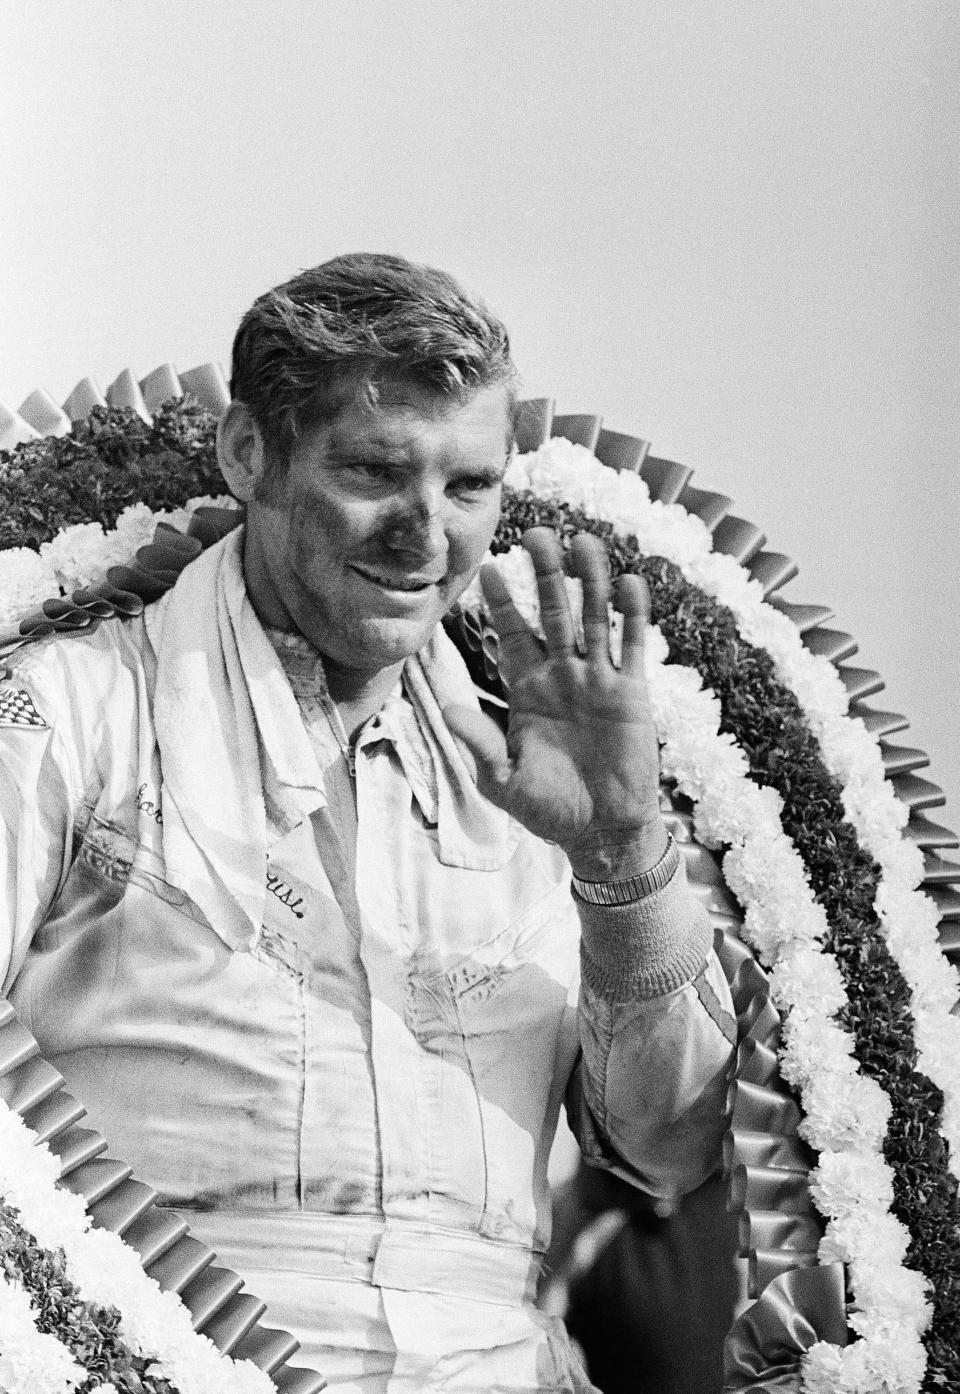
x,y
381,520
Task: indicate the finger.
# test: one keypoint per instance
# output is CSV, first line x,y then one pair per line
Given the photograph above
x,y
544,548
519,648
589,564
484,749
632,599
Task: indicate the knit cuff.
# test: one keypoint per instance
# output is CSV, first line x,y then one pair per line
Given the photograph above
x,y
646,949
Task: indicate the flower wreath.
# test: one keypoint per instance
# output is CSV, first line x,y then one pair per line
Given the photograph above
x,y
852,1082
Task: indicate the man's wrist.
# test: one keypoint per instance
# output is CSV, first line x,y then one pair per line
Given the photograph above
x,y
618,859
630,889
646,947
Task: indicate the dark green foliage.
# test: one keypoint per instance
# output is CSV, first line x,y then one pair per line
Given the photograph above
x,y
110,460
90,1332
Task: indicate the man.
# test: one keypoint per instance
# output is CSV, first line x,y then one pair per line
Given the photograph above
x,y
310,982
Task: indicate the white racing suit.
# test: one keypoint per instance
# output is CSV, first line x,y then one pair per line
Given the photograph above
x,y
332,1014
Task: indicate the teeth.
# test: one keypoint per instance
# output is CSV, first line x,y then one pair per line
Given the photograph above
x,y
393,585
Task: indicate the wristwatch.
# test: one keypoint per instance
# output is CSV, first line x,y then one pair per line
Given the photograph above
x,y
633,888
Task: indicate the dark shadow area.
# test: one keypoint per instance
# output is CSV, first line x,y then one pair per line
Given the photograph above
x,y
651,1310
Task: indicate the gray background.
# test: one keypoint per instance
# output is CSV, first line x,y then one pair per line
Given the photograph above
x,y
732,228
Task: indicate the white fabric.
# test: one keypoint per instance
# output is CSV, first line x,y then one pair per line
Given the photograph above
x,y
210,703
385,1053
206,707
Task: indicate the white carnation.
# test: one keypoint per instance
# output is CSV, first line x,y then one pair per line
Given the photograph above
x,y
822,1369
517,569
842,1182
844,1111
621,496
565,472
135,529
903,864
864,1233
891,1363
806,979
814,1044
79,555
517,474
26,580
656,649
938,1042
889,1296
724,578
668,530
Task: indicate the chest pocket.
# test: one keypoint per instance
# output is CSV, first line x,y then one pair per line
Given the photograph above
x,y
106,852
492,984
500,1025
108,860
95,931
504,1005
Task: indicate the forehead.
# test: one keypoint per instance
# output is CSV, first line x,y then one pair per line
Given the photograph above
x,y
405,416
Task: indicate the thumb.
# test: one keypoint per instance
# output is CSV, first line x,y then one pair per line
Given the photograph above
x,y
484,749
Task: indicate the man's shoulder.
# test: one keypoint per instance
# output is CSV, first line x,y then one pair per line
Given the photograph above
x,y
91,669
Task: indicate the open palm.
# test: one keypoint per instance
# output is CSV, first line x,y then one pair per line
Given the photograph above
x,y
579,764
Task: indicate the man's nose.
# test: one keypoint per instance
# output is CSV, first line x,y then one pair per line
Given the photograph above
x,y
417,526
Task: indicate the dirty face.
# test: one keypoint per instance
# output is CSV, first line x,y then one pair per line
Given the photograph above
x,y
379,522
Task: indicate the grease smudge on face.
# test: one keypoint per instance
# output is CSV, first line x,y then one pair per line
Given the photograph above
x,y
379,523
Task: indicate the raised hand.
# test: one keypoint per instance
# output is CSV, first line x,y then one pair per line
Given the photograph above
x,y
579,765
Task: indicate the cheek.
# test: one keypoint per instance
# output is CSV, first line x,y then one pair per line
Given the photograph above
x,y
310,557
320,531
471,540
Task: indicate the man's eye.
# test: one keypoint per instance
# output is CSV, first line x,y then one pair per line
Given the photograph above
x,y
475,484
370,471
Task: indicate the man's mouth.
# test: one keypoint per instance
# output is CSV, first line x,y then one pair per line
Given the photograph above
x,y
411,583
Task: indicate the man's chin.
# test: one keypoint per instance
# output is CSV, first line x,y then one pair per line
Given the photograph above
x,y
379,643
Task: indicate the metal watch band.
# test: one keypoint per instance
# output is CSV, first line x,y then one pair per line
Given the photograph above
x,y
634,888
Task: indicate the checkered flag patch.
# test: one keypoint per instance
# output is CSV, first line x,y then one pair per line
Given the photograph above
x,y
17,709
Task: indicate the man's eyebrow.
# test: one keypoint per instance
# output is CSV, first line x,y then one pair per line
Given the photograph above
x,y
501,464
490,474
347,451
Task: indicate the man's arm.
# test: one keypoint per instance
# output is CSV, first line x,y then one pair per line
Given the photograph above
x,y
657,1031
580,768
36,811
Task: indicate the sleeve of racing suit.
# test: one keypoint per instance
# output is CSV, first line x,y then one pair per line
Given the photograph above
x,y
36,818
658,1036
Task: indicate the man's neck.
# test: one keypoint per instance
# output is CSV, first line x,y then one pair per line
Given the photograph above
x,y
359,695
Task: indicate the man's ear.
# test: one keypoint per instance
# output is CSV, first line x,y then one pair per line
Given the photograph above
x,y
241,453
